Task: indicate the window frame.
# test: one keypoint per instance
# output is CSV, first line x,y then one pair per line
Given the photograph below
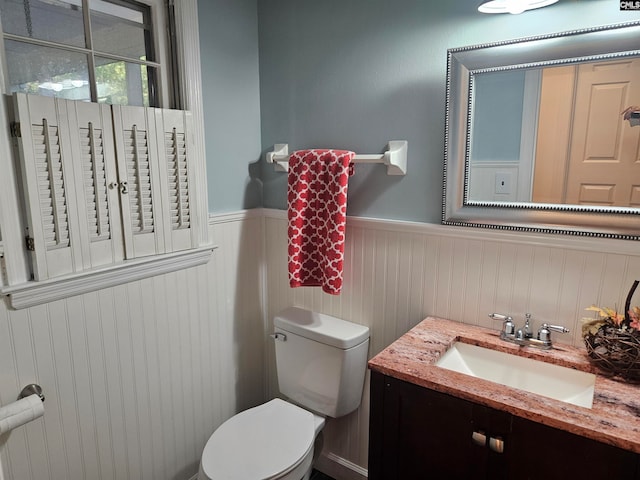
x,y
160,50
15,281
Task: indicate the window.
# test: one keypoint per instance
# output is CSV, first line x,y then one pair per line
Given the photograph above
x,y
78,150
92,50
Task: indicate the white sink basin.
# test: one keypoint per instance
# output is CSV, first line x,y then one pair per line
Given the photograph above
x,y
554,381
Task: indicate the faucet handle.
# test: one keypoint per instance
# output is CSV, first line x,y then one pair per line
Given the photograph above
x,y
508,327
556,328
544,334
526,330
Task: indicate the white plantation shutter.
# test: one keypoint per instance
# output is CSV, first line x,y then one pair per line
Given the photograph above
x,y
175,143
139,177
48,183
178,188
138,170
51,184
93,149
95,182
104,183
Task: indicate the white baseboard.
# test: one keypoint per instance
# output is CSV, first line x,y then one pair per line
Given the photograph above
x,y
340,468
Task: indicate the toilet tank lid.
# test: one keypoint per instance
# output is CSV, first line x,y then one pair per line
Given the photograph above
x,y
321,328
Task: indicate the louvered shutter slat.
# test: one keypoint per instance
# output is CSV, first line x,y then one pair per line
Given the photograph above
x,y
51,184
95,185
139,174
178,183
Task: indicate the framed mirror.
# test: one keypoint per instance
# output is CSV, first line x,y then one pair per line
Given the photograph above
x,y
543,134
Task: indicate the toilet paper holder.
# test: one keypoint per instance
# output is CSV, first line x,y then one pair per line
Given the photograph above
x,y
31,389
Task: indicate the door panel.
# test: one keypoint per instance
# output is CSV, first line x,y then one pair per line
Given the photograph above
x,y
604,165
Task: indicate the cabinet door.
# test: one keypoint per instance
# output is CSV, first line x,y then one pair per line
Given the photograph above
x,y
417,433
496,425
546,453
420,434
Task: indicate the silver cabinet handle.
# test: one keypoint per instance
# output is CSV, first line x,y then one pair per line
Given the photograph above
x,y
496,444
479,438
279,336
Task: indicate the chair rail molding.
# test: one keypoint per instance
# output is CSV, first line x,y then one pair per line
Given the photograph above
x,y
36,293
470,233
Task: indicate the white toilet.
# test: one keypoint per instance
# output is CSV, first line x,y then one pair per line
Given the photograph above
x,y
321,363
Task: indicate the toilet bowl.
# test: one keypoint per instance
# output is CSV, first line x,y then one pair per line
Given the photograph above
x,y
272,441
321,365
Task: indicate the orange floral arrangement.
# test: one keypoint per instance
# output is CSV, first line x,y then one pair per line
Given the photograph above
x,y
610,316
613,339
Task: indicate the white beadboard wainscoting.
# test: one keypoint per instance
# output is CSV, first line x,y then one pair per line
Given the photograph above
x,y
136,377
397,273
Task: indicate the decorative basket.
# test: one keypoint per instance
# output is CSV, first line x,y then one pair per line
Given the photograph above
x,y
616,352
614,346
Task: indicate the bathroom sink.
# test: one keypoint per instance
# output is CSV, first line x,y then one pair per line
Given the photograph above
x,y
546,379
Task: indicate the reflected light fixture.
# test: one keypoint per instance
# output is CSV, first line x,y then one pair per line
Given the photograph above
x,y
513,6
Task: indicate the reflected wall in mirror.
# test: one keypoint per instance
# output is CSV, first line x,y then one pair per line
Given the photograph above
x,y
541,134
556,135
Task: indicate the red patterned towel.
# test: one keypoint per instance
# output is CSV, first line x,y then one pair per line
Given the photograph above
x,y
317,197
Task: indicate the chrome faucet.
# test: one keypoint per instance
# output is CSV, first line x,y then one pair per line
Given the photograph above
x,y
524,336
508,327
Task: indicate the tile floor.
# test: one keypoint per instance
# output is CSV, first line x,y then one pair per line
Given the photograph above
x,y
316,475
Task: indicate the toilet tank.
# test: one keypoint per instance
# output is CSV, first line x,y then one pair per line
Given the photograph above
x,y
321,360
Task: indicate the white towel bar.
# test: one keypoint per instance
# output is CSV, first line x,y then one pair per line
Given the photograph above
x,y
395,158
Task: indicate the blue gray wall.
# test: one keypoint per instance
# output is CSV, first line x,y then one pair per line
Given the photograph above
x,y
355,74
350,74
231,96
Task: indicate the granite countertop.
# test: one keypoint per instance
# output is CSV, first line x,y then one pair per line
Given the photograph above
x,y
614,418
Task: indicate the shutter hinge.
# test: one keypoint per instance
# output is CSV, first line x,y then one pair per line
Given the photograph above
x,y
31,244
15,129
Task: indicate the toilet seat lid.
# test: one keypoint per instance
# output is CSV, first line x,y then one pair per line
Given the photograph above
x,y
259,443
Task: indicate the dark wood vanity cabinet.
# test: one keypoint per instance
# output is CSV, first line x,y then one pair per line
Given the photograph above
x,y
417,433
